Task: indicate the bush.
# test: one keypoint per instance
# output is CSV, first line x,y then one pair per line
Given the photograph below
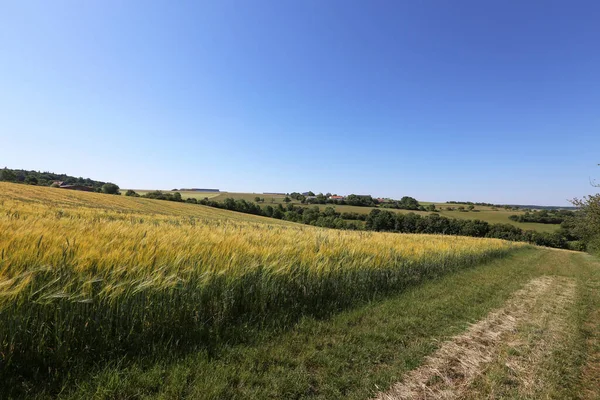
x,y
110,188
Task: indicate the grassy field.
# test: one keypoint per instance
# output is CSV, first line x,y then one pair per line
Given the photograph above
x,y
87,278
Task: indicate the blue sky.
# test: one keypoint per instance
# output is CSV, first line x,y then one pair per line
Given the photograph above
x,y
441,100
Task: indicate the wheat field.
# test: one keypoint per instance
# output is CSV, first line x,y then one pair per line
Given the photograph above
x,y
86,276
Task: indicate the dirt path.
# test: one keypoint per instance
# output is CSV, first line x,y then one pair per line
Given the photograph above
x,y
532,320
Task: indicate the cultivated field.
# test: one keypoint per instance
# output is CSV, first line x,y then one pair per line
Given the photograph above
x,y
87,277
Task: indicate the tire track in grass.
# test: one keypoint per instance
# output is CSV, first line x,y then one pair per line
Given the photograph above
x,y
450,371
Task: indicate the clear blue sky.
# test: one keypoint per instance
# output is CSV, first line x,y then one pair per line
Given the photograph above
x,y
493,101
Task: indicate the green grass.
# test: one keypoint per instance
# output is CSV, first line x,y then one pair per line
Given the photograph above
x,y
355,353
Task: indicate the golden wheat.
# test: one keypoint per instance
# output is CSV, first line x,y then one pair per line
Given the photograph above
x,y
82,273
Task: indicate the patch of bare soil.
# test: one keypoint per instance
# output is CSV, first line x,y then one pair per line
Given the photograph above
x,y
450,371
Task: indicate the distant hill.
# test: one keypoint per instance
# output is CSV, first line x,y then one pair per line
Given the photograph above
x,y
45,178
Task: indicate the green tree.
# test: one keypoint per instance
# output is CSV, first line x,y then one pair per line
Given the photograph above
x,y
257,199
8,175
287,199
131,193
110,188
586,223
408,203
31,180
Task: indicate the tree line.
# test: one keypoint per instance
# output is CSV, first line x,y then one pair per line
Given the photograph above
x,y
49,179
544,216
381,220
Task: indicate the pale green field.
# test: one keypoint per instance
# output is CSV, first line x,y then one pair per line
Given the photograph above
x,y
484,213
269,198
493,217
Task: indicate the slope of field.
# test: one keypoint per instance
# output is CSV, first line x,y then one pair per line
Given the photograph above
x,y
86,277
45,201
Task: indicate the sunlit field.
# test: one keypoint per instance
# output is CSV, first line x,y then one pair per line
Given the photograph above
x,y
85,276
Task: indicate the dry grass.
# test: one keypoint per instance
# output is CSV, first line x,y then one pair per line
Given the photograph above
x,y
451,371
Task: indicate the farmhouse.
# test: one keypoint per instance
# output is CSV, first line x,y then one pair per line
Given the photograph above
x,y
336,197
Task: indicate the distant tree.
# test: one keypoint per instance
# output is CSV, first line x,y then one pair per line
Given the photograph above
x,y
310,193
430,207
586,223
277,213
287,199
8,175
297,196
408,203
229,203
471,207
257,199
177,196
110,188
269,211
31,180
330,212
21,176
131,193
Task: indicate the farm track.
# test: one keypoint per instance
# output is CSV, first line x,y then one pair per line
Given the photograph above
x,y
520,336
